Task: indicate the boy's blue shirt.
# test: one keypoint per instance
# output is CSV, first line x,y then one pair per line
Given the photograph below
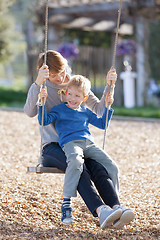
x,y
72,124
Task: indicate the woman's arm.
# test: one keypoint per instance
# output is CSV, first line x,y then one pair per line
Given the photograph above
x,y
96,105
30,107
101,122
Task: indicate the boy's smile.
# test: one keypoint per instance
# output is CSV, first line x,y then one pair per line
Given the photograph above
x,y
74,97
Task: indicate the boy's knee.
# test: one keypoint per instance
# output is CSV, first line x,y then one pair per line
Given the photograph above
x,y
76,163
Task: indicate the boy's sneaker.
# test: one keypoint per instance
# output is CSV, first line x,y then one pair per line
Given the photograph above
x,y
126,217
108,216
66,215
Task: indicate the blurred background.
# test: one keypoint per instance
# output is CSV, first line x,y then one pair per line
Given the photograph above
x,y
83,31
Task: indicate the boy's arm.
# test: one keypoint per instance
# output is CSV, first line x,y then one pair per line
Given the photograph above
x,y
100,122
110,114
96,105
48,118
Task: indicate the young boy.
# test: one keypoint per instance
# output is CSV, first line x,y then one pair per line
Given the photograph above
x,y
71,122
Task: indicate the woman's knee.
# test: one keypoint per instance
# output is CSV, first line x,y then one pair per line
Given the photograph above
x,y
53,156
96,169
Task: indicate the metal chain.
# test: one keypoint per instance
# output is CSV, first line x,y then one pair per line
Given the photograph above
x,y
113,64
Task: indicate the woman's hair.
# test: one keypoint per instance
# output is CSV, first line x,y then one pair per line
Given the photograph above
x,y
55,61
82,83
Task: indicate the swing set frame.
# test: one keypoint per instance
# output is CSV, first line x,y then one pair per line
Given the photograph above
x,y
39,168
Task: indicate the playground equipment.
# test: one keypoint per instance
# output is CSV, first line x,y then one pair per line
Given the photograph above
x,y
39,168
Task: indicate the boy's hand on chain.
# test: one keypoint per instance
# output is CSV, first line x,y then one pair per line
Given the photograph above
x,y
109,99
42,95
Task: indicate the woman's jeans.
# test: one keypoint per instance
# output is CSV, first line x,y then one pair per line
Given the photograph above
x,y
53,156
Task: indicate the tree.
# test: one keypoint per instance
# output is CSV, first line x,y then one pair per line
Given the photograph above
x,y
5,4
154,50
25,15
6,30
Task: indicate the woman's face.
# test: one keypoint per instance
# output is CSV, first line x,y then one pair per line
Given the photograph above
x,y
57,78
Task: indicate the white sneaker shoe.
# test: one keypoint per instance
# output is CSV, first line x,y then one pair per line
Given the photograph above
x,y
126,217
108,216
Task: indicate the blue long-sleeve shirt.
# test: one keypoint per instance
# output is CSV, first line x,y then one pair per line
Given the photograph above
x,y
72,124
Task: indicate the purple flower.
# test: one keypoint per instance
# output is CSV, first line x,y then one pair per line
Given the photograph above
x,y
68,50
127,47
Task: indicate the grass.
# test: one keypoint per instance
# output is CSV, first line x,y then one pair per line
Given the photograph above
x,y
16,97
12,97
145,112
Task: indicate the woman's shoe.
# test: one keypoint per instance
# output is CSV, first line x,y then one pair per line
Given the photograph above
x,y
126,217
108,216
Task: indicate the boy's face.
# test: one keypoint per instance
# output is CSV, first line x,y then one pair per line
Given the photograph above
x,y
74,97
57,78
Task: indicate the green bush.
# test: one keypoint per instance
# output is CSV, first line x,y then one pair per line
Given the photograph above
x,y
12,97
146,112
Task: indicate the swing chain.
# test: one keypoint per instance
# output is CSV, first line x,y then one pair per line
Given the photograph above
x,y
44,83
113,65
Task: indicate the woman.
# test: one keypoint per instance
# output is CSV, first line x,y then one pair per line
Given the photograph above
x,y
57,74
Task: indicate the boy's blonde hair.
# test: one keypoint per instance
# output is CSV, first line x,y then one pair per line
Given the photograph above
x,y
82,83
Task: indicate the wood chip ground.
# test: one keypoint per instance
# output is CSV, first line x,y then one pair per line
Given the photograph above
x,y
30,203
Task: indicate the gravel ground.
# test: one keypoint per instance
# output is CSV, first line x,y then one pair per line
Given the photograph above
x,y
30,203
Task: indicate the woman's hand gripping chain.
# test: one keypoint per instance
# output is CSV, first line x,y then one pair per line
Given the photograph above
x,y
43,74
111,79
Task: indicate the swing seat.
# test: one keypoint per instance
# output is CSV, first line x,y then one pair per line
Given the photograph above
x,y
39,169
